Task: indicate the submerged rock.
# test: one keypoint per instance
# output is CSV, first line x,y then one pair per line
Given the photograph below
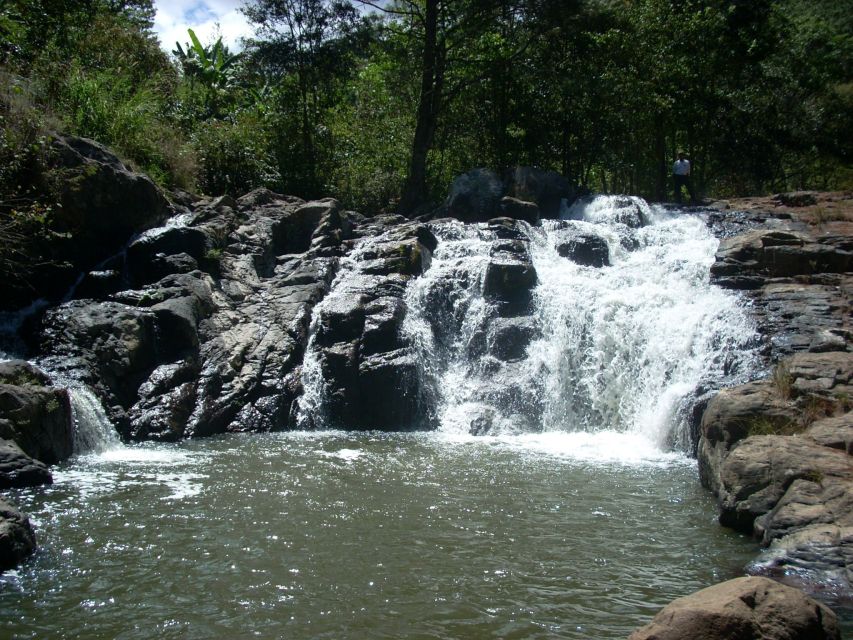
x,y
743,609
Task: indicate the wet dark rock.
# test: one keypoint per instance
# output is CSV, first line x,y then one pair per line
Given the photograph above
x,y
585,249
519,210
370,371
510,277
505,228
743,609
509,338
171,250
547,189
17,538
109,346
166,400
17,469
38,419
99,284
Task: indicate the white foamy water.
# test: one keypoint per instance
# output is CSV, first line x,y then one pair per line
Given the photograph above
x,y
93,432
620,348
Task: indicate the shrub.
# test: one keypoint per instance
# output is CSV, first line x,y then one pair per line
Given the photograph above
x,y
234,157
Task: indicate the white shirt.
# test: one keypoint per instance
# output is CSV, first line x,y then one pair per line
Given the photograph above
x,y
681,168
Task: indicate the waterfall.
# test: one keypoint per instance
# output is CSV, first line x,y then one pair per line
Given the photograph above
x,y
618,348
93,432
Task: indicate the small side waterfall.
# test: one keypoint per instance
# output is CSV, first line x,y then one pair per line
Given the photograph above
x,y
617,348
93,432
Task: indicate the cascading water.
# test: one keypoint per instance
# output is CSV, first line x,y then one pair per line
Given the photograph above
x,y
93,432
620,348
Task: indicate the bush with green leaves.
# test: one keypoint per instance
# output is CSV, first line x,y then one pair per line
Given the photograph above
x,y
234,157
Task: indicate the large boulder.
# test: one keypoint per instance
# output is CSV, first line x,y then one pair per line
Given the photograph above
x,y
103,204
475,196
547,189
35,416
781,474
17,539
803,388
743,609
110,346
775,453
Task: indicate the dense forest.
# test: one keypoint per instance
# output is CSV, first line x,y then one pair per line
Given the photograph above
x,y
381,104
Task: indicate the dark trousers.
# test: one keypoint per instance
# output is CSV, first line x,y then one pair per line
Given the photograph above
x,y
683,181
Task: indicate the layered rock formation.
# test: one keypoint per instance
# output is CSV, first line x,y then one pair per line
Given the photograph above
x,y
776,452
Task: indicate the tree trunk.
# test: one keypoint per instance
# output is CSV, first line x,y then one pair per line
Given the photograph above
x,y
432,73
660,153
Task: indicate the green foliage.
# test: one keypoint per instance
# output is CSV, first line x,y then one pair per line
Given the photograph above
x,y
234,156
327,100
372,131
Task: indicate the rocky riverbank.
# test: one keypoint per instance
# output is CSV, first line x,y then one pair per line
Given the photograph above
x,y
777,451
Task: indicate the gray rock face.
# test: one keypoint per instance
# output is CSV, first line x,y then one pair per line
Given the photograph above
x,y
197,351
586,249
34,415
17,539
764,253
370,372
743,609
799,285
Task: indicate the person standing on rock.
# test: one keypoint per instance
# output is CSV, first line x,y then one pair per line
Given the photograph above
x,y
681,177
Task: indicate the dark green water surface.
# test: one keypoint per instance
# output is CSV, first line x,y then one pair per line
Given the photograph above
x,y
366,536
